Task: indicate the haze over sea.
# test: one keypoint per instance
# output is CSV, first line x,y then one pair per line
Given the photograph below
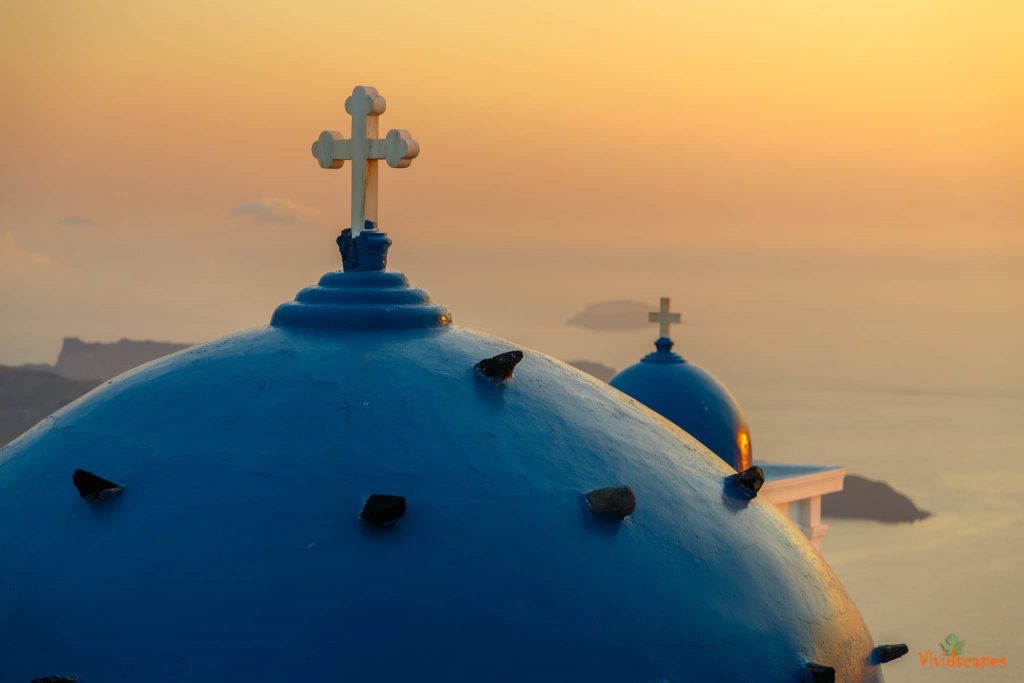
x,y
904,366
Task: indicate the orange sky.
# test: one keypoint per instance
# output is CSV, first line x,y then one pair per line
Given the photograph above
x,y
148,141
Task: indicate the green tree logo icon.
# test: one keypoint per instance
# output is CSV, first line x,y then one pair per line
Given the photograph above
x,y
952,645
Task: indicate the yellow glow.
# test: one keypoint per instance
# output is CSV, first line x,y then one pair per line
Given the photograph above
x,y
701,120
668,125
743,443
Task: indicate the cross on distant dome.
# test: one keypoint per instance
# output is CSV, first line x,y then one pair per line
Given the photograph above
x,y
663,317
364,150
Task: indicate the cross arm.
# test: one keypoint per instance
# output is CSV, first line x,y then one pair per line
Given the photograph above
x,y
399,149
332,149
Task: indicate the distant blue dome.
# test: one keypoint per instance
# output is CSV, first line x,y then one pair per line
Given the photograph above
x,y
235,551
692,398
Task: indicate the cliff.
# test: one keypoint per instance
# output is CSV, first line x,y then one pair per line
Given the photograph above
x,y
28,395
100,361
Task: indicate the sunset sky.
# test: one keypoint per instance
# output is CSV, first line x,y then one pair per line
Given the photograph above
x,y
157,179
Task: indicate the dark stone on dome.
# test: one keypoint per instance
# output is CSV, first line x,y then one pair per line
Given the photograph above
x,y
614,502
94,488
55,679
499,368
821,673
886,653
749,481
381,509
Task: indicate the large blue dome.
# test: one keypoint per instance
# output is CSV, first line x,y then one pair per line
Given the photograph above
x,y
692,398
235,550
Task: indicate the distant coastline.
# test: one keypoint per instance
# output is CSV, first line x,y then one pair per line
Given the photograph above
x,y
32,392
599,370
863,498
609,316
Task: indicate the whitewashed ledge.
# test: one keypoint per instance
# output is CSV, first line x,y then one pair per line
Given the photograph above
x,y
797,490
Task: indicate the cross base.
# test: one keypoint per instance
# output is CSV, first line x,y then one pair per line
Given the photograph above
x,y
366,251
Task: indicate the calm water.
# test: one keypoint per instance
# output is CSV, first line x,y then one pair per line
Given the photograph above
x,y
903,366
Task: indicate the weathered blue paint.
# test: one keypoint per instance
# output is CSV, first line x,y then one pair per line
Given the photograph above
x,y
692,398
362,300
235,551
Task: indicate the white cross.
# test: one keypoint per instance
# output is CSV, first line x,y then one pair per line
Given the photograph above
x,y
663,317
364,149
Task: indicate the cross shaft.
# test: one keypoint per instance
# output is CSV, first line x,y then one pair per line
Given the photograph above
x,y
364,150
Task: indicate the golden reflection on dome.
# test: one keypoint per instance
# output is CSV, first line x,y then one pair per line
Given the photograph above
x,y
743,443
